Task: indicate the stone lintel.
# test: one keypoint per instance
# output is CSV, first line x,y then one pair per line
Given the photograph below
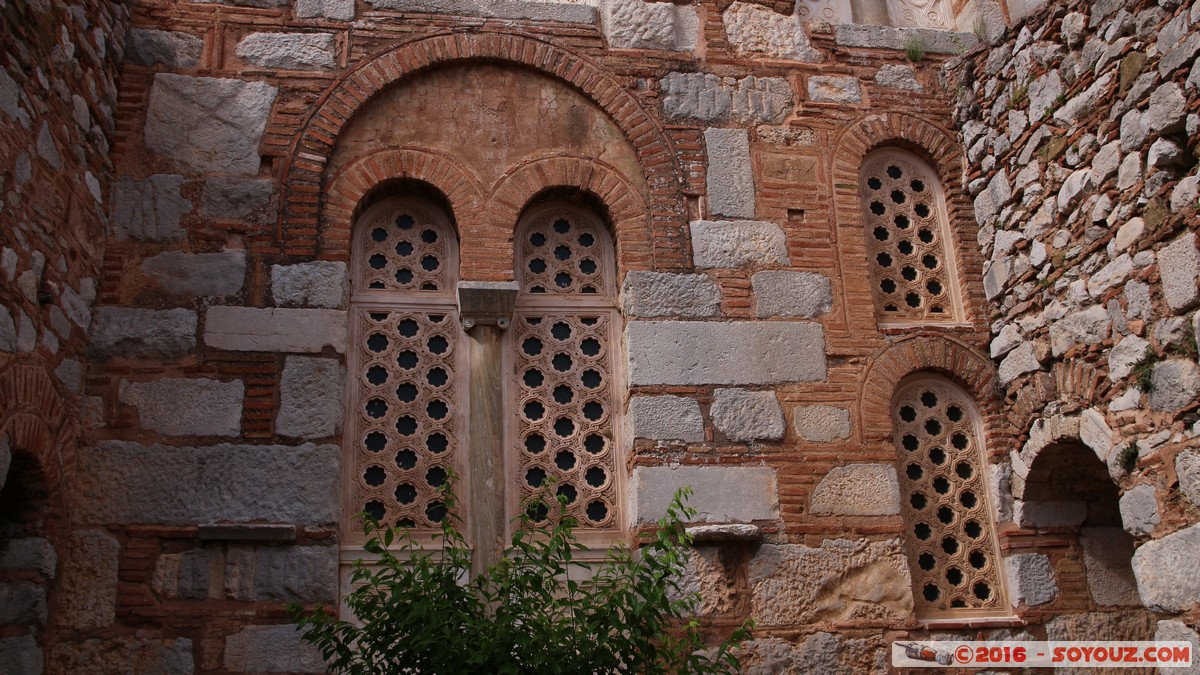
x,y
486,303
248,532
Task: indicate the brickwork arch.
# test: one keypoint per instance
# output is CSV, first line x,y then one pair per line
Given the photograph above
x,y
35,421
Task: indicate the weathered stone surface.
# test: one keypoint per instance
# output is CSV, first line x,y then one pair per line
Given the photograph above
x,y
1168,109
313,284
1124,355
834,89
898,76
1165,571
21,655
730,175
310,397
496,9
281,573
721,493
735,353
858,490
27,553
271,649
1174,384
821,423
754,30
1073,189
1178,631
840,581
818,653
197,273
1049,514
187,406
208,124
143,333
1139,511
22,602
188,575
710,98
253,329
724,243
1187,469
1080,105
1163,154
1043,92
339,10
666,418
1179,267
1127,625
747,415
1088,327
125,482
886,37
636,24
124,655
149,47
791,294
1030,579
666,294
88,595
148,209
1106,555
288,51
1019,361
236,198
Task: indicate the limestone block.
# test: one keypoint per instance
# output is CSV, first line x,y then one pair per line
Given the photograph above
x,y
1095,433
288,51
839,581
148,209
1083,103
858,490
1049,514
1073,189
28,553
710,98
1124,355
1174,384
185,575
254,329
271,649
282,573
1106,555
730,174
208,124
313,284
21,654
1030,579
1088,327
666,418
1168,109
124,655
1187,469
819,652
1139,510
22,602
754,30
1127,625
173,49
747,415
933,41
665,294
47,149
791,294
88,586
1178,631
126,482
187,406
1019,361
897,76
236,198
1043,93
339,10
821,423
734,353
1166,571
8,331
496,9
724,243
1179,267
721,493
204,274
310,397
1112,274
834,89
636,24
143,333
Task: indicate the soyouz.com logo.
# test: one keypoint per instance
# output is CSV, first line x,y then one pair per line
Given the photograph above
x,y
1075,654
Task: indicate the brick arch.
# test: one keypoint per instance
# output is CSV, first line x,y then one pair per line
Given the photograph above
x,y
626,207
314,143
34,417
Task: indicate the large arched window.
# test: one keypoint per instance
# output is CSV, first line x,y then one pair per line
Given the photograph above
x,y
909,248
951,543
566,388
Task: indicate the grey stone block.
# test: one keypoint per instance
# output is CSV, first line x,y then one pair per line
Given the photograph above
x,y
8,331
173,49
21,655
1175,384
666,418
1019,361
1179,267
496,9
187,406
663,294
834,89
1106,555
730,174
897,76
310,398
1187,469
1087,327
1168,109
721,493
208,124
339,10
791,294
124,655
821,423
288,51
206,274
1124,356
747,415
148,209
725,243
22,602
858,490
735,353
28,553
271,649
1049,514
1166,571
234,198
282,573
1139,510
143,333
636,24
1030,579
754,30
88,587
314,284
886,37
711,98
254,329
126,482
1178,631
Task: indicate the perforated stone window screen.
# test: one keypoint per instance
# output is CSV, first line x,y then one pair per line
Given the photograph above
x,y
951,542
566,401
909,248
406,358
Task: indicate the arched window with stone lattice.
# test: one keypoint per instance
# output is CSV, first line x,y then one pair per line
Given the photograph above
x,y
406,359
565,344
910,251
949,533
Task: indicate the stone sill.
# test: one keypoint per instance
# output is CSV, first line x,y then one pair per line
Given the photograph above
x,y
976,622
269,533
733,533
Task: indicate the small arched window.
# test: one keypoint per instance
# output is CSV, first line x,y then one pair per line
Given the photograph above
x,y
909,247
950,538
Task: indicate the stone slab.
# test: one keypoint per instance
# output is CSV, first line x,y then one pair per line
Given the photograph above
x,y
710,98
1179,267
21,655
636,24
124,655
821,423
1030,579
187,406
730,173
288,51
1139,510
310,398
754,30
857,490
886,37
149,209
791,294
271,649
496,9
88,586
726,243
666,418
173,49
203,274
237,198
651,294
313,284
721,493
744,415
1106,555
733,353
1166,571
255,329
143,333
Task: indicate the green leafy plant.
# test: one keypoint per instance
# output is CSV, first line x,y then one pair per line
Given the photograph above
x,y
1019,94
1128,458
1143,370
914,49
415,611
